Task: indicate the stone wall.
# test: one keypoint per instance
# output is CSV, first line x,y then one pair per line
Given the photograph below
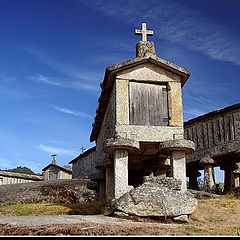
x,y
107,129
58,191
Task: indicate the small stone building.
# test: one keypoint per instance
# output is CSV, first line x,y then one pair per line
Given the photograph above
x,y
138,128
13,178
54,172
84,165
217,139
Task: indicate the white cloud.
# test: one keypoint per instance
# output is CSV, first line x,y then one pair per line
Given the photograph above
x,y
75,113
65,83
176,23
56,150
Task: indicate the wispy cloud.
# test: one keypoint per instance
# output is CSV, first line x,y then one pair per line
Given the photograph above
x,y
65,83
75,72
56,150
176,23
193,113
75,113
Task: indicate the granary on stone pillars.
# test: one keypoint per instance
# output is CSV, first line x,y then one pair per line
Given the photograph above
x,y
138,126
217,139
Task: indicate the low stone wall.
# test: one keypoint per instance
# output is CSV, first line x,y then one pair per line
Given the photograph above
x,y
67,191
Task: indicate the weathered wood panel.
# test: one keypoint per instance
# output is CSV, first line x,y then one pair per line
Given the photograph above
x,y
231,126
205,134
148,104
200,136
216,131
210,133
236,116
221,127
226,121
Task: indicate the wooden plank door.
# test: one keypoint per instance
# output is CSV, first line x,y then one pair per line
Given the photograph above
x,y
148,104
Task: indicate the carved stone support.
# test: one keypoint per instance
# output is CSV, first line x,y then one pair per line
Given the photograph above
x,y
178,167
120,173
209,177
229,179
237,176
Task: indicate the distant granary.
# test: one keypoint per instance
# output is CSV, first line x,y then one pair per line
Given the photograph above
x,y
83,166
54,172
13,177
217,139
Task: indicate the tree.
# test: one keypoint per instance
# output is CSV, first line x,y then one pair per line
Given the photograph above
x,y
21,169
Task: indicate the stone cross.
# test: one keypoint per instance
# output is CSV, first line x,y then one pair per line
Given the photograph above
x,y
82,149
144,32
54,159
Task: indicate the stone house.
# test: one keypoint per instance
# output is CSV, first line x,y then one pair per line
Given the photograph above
x,y
217,139
54,172
13,178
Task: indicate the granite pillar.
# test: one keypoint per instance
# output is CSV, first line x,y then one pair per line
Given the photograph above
x,y
228,178
178,167
209,177
120,173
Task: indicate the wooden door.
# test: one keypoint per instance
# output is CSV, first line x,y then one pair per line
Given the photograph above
x,y
148,104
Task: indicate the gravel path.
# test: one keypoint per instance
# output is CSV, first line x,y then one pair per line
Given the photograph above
x,y
57,219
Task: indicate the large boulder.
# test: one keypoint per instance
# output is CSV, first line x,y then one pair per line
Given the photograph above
x,y
158,197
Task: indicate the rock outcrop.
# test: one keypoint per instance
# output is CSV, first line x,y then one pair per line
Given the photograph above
x,y
158,197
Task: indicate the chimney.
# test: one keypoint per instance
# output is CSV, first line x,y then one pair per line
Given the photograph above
x,y
54,161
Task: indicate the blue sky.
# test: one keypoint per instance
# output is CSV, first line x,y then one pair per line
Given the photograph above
x,y
54,54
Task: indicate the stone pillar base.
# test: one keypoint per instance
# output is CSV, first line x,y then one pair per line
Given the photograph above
x,y
178,164
120,173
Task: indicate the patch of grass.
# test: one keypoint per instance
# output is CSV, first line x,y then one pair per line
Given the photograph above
x,y
34,209
230,196
192,230
91,208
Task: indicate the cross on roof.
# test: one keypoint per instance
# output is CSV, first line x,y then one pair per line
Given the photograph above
x,y
144,32
53,156
82,149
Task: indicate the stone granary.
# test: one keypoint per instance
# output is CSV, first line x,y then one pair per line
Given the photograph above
x,y
138,128
13,178
217,139
54,172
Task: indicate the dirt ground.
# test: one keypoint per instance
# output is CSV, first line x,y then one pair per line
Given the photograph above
x,y
214,217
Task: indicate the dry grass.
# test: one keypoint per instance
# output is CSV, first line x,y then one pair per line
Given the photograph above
x,y
217,216
213,217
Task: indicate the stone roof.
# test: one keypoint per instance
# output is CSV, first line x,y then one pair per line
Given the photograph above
x,y
57,166
110,75
21,175
84,154
212,114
